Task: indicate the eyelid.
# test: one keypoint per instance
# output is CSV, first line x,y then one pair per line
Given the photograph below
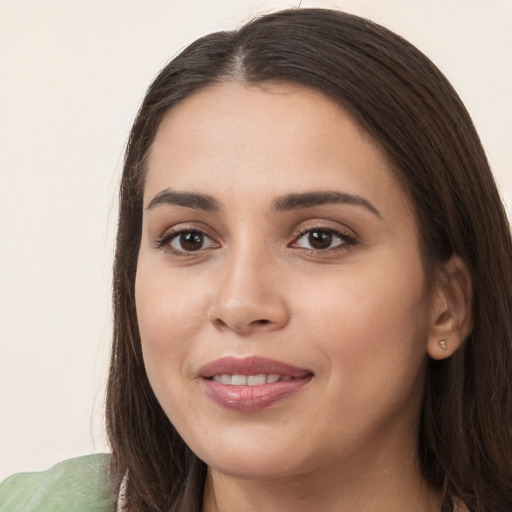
x,y
164,240
348,237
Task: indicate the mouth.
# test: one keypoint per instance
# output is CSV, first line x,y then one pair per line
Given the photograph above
x,y
250,380
251,384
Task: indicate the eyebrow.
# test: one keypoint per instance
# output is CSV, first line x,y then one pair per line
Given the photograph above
x,y
186,199
310,199
284,203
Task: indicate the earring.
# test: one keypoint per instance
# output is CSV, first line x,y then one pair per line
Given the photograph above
x,y
443,345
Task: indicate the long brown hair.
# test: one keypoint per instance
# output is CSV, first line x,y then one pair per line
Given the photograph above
x,y
408,106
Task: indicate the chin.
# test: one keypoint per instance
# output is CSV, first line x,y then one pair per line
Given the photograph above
x,y
254,467
252,458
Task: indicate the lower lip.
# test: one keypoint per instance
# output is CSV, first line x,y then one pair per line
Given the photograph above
x,y
252,398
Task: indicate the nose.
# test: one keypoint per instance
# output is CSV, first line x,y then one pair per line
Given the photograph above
x,y
251,296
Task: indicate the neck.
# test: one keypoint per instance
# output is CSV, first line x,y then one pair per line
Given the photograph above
x,y
368,484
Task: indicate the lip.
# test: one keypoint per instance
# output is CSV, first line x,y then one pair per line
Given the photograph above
x,y
247,398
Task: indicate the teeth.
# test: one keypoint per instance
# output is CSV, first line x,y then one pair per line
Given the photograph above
x,y
239,380
256,380
250,380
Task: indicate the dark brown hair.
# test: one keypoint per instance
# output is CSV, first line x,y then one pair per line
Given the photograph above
x,y
408,106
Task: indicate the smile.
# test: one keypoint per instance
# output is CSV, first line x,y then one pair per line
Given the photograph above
x,y
251,384
250,380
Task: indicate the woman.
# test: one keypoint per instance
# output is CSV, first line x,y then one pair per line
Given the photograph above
x,y
312,282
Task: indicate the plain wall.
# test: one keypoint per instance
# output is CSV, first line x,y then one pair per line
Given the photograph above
x,y
72,75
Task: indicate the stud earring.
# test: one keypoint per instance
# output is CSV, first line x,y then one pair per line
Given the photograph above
x,y
443,345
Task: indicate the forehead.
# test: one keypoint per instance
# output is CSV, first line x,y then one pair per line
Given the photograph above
x,y
266,139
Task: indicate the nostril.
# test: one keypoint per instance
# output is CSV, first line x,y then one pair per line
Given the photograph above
x,y
219,322
263,321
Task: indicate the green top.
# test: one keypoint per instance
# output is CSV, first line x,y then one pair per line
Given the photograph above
x,y
75,485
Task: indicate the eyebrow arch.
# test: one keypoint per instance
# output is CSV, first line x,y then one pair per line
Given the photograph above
x,y
310,199
186,199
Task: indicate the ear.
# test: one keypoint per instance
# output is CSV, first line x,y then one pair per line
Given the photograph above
x,y
451,314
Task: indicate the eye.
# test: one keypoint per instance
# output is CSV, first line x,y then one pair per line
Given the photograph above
x,y
323,240
187,241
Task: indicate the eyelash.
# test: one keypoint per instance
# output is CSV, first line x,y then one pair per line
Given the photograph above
x,y
347,241
164,242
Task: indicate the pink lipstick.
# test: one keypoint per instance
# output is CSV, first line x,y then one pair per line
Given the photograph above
x,y
251,383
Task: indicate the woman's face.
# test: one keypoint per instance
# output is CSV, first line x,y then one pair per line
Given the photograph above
x,y
280,293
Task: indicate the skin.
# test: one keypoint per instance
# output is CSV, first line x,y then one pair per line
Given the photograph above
x,y
357,313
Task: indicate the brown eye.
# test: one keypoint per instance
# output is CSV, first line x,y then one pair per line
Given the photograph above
x,y
323,240
320,239
190,241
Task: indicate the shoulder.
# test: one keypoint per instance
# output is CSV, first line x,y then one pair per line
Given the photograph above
x,y
74,485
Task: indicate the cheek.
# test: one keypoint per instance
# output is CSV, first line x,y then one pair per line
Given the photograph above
x,y
373,324
372,333
170,312
169,315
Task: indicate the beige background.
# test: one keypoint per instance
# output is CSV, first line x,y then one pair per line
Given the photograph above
x,y
72,74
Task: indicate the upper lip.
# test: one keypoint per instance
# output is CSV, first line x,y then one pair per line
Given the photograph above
x,y
253,365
